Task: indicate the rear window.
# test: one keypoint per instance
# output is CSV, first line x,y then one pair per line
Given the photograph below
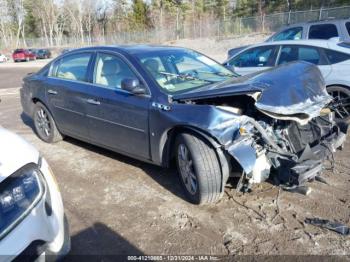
x,y
72,67
336,57
19,51
323,31
295,53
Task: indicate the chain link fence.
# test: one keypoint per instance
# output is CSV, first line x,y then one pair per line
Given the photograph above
x,y
205,28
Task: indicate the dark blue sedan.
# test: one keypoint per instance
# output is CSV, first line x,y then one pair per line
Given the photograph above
x,y
163,104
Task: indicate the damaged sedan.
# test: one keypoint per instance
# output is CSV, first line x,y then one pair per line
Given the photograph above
x,y
167,105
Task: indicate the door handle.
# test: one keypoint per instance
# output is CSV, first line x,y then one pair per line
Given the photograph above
x,y
93,101
52,92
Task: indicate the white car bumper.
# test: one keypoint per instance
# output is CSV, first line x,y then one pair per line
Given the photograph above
x,y
44,231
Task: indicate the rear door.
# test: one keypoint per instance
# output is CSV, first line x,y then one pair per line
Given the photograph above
x,y
314,55
117,118
66,92
254,59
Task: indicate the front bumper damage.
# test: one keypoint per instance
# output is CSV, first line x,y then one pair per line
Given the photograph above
x,y
290,169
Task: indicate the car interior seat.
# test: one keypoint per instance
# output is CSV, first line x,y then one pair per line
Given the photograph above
x,y
110,74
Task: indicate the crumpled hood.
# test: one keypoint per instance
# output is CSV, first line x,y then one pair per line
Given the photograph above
x,y
294,91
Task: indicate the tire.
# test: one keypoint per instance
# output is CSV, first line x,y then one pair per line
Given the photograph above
x,y
45,125
205,169
342,93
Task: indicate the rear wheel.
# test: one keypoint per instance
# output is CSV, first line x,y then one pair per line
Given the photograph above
x,y
199,169
45,125
341,95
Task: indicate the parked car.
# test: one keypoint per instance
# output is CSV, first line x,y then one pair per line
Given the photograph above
x,y
3,58
23,55
164,104
326,29
32,215
43,53
332,58
66,50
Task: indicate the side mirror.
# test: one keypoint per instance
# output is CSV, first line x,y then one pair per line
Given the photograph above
x,y
230,67
133,86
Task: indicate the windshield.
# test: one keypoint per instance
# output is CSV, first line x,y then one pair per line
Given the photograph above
x,y
182,70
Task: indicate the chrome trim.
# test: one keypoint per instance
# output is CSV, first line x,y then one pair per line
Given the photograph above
x,y
93,101
118,124
69,110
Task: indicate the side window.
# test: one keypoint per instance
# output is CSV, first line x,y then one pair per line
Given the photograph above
x,y
336,57
295,53
323,31
309,54
294,33
347,25
110,71
256,57
72,67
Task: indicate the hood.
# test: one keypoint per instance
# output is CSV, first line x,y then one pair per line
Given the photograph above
x,y
295,91
15,152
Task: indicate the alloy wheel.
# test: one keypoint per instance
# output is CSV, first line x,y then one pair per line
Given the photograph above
x,y
42,121
186,169
343,110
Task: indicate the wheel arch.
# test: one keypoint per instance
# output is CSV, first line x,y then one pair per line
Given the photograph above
x,y
341,85
167,142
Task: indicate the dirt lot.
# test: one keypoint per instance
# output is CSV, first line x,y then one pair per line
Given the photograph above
x,y
117,205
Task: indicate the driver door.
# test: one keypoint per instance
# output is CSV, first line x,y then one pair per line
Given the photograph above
x,y
117,119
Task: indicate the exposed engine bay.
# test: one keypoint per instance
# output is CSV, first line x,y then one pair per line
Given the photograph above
x,y
293,151
278,124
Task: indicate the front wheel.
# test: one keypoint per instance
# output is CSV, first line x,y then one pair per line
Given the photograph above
x,y
341,95
45,125
199,169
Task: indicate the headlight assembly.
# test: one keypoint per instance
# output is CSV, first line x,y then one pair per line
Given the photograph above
x,y
19,193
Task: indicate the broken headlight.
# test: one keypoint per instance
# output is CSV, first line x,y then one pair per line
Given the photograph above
x,y
19,193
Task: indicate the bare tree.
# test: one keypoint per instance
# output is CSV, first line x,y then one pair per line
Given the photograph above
x,y
17,13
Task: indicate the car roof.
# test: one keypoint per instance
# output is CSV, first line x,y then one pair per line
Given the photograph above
x,y
130,49
332,44
325,21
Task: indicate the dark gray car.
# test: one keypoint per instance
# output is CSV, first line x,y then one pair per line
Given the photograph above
x,y
164,104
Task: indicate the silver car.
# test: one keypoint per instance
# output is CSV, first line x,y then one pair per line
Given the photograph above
x,y
325,30
331,57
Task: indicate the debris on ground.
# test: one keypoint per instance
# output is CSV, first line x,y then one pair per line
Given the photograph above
x,y
334,226
305,190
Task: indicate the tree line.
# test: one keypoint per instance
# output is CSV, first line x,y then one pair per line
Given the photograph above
x,y
86,20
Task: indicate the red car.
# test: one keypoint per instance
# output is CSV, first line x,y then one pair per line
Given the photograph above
x,y
23,55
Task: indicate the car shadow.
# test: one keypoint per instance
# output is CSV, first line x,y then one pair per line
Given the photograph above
x,y
167,178
100,243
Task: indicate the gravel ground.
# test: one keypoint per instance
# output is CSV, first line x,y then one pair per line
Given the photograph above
x,y
117,205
